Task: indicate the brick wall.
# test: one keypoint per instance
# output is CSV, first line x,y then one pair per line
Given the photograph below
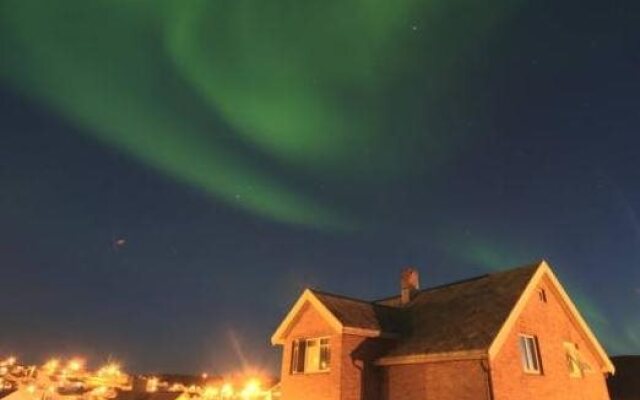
x,y
404,382
551,324
352,375
456,380
353,369
319,386
446,380
361,379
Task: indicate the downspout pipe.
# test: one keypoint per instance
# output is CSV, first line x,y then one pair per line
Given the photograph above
x,y
486,367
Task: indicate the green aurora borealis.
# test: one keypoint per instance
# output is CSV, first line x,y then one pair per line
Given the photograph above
x,y
225,94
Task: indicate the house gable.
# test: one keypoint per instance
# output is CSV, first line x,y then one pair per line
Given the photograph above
x,y
309,321
546,275
306,301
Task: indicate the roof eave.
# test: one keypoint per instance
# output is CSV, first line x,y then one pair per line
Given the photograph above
x,y
278,338
433,357
308,296
372,333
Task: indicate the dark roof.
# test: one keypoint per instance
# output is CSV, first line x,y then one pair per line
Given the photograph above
x,y
461,316
624,384
354,313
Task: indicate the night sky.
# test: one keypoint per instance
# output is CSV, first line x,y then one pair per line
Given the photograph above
x,y
174,173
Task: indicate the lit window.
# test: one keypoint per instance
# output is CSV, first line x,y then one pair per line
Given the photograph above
x,y
297,356
310,355
325,354
530,354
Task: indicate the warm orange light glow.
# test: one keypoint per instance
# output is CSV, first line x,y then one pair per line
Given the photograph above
x,y
251,389
100,391
111,369
227,390
177,387
76,364
210,392
52,365
72,375
8,361
152,384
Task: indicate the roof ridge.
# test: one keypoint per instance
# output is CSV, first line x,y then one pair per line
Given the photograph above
x,y
465,280
340,296
442,286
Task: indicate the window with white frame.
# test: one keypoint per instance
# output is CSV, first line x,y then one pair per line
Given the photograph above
x,y
310,355
530,354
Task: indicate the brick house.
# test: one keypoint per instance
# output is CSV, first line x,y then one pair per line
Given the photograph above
x,y
504,336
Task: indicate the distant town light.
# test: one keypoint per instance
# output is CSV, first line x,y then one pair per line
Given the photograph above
x,y
111,369
52,365
72,377
227,390
210,392
100,390
9,361
251,389
152,384
76,364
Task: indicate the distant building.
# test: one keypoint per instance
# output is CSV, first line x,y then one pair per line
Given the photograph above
x,y
513,335
625,384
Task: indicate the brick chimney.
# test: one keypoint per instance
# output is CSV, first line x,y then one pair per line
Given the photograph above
x,y
409,284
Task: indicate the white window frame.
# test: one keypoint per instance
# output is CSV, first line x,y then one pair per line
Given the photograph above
x,y
530,354
314,348
295,359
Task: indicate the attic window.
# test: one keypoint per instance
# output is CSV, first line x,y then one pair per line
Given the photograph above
x,y
530,354
542,295
310,355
